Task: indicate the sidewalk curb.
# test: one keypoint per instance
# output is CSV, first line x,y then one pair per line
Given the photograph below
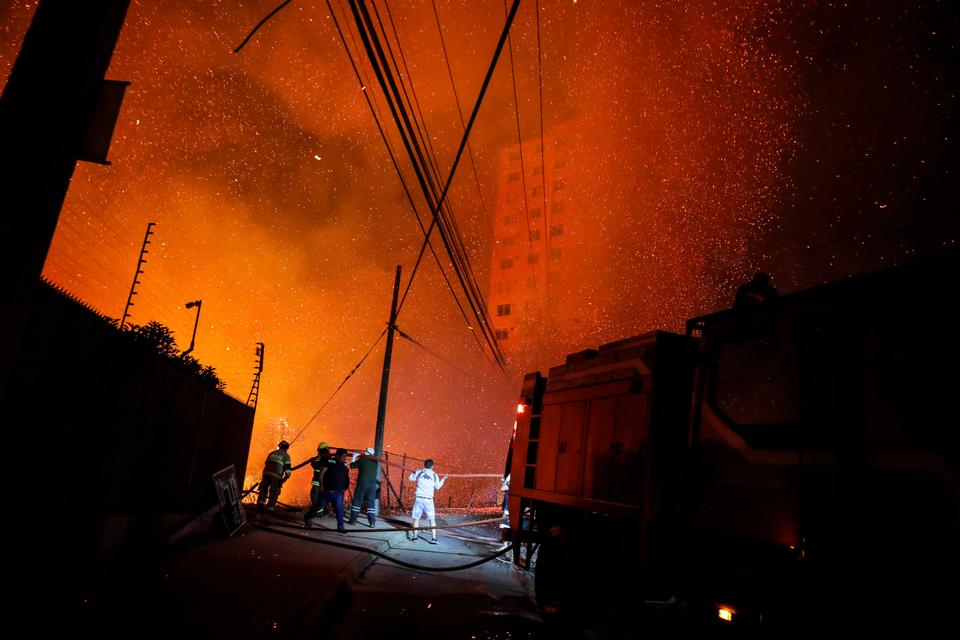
x,y
336,585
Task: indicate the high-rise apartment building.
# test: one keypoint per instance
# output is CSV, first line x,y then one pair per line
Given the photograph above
x,y
533,248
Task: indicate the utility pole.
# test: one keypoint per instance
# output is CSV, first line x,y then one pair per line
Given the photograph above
x,y
385,381
133,287
254,394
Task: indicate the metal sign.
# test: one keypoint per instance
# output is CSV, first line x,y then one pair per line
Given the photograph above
x,y
228,494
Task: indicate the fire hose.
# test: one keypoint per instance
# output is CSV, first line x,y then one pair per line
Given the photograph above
x,y
409,565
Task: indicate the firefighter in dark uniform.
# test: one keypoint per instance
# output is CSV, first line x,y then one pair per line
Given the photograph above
x,y
319,465
276,469
336,479
366,487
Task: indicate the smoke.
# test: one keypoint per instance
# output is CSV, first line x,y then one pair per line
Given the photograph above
x,y
696,128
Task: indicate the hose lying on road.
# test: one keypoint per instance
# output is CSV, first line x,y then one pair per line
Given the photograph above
x,y
465,523
410,565
423,528
461,536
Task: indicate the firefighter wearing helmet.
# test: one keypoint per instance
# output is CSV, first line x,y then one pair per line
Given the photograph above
x,y
319,464
276,470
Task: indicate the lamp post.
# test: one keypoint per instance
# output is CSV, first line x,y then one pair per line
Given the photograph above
x,y
190,305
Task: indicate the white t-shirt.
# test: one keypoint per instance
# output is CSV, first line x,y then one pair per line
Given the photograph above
x,y
427,482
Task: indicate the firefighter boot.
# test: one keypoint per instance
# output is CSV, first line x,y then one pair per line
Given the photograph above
x,y
354,512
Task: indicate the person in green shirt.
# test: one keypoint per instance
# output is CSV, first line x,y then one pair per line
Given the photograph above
x,y
367,486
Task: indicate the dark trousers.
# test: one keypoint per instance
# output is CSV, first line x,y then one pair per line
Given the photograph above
x,y
366,492
269,491
336,497
326,497
315,493
314,500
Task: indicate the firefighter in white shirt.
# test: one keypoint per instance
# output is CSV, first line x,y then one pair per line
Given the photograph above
x,y
427,482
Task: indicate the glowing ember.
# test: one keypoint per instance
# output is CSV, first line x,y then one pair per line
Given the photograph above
x,y
717,138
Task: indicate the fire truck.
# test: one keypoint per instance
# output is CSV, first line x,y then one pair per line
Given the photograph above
x,y
784,467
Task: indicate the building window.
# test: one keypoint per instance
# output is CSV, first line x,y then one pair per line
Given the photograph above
x,y
535,212
509,219
503,309
512,196
558,184
506,263
509,241
538,170
514,157
532,282
503,286
559,163
503,334
556,230
533,258
555,253
534,234
557,207
536,191
513,176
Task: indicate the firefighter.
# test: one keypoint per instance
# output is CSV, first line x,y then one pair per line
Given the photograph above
x,y
276,470
335,480
757,290
367,487
319,465
427,482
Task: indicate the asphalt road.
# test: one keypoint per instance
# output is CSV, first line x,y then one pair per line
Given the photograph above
x,y
493,600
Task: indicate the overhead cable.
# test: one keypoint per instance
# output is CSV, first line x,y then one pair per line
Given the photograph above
x,y
388,85
349,375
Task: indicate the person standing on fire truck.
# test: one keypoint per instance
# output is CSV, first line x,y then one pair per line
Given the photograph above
x,y
427,482
276,469
755,291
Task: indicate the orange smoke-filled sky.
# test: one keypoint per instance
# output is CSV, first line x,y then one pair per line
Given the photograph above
x,y
809,140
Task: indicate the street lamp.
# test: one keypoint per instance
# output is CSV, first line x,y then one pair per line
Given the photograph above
x,y
190,305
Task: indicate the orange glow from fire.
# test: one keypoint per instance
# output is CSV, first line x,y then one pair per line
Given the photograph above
x,y
277,205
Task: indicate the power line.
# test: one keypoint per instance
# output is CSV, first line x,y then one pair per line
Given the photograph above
x,y
396,167
402,120
337,390
456,97
431,168
448,217
523,171
433,353
543,162
261,23
448,229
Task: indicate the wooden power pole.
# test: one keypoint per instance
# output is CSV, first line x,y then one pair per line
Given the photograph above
x,y
385,382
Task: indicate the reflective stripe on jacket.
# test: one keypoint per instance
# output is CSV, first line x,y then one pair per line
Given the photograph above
x,y
277,464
